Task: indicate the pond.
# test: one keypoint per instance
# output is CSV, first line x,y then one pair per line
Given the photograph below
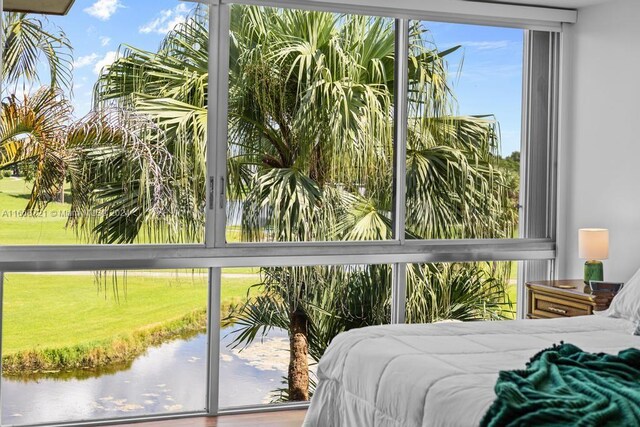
x,y
166,379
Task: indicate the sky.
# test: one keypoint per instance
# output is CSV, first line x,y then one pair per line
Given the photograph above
x,y
98,28
490,79
489,82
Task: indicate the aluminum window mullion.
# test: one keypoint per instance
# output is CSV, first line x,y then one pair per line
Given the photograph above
x,y
217,158
521,296
554,132
216,216
213,340
212,115
400,126
399,293
107,258
401,123
222,131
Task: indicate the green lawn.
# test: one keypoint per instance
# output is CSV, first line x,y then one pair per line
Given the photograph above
x,y
59,310
16,229
46,228
43,311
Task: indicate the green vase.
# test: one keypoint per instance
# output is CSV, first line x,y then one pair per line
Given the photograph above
x,y
593,271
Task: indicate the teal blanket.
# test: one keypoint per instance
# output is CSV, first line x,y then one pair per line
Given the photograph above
x,y
565,386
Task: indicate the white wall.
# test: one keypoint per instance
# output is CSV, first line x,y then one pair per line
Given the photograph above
x,y
599,158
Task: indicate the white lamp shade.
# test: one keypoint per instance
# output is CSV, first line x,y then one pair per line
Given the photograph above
x,y
593,243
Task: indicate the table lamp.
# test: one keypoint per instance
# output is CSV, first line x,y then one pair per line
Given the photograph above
x,y
593,245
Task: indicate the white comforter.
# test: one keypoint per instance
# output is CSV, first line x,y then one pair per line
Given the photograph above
x,y
440,374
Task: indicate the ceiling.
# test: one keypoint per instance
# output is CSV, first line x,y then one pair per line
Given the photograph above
x,y
51,7
561,4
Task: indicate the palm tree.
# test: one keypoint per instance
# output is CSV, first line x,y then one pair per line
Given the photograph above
x,y
31,124
328,300
40,128
169,87
311,104
116,160
33,129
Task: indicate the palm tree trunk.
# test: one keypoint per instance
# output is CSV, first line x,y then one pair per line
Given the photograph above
x,y
61,192
298,362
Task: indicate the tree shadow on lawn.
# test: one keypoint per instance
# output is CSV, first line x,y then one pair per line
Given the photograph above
x,y
27,196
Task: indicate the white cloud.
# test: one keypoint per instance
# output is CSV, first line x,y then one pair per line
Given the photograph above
x,y
103,9
104,41
487,45
83,61
167,20
107,60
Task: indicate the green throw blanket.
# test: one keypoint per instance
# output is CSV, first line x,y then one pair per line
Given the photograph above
x,y
565,386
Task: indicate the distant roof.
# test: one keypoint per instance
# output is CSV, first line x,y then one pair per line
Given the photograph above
x,y
49,7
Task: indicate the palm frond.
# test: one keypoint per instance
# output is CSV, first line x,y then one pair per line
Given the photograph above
x,y
464,292
26,40
33,129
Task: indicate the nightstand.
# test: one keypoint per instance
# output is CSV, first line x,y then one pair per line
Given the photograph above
x,y
550,298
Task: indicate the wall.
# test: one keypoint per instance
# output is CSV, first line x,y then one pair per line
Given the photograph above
x,y
599,157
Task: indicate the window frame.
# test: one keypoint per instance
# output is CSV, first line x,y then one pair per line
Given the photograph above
x,y
536,253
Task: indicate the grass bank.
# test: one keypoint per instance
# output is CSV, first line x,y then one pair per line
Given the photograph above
x,y
63,321
92,355
56,321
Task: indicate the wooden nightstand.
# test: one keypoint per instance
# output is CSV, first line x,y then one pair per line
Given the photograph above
x,y
548,299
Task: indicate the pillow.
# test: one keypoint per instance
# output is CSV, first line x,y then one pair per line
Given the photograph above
x,y
626,303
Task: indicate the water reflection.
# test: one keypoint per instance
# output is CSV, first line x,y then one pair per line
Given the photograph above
x,y
168,378
248,376
145,388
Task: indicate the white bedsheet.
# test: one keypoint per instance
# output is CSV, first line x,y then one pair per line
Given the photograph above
x,y
440,374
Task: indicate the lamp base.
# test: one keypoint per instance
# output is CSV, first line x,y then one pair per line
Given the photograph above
x,y
593,270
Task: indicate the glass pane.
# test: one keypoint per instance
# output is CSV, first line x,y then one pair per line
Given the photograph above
x,y
279,319
83,346
104,124
463,147
461,291
310,155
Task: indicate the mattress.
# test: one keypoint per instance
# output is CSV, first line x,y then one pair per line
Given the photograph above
x,y
439,374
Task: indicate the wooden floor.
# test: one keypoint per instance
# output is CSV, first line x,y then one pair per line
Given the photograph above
x,y
266,419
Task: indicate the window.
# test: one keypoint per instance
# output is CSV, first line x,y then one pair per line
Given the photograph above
x,y
81,346
213,185
463,136
107,141
259,362
310,154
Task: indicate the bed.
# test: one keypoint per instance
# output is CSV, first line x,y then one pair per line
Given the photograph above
x,y
440,374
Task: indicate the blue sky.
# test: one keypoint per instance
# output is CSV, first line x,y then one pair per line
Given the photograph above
x,y
96,29
490,81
